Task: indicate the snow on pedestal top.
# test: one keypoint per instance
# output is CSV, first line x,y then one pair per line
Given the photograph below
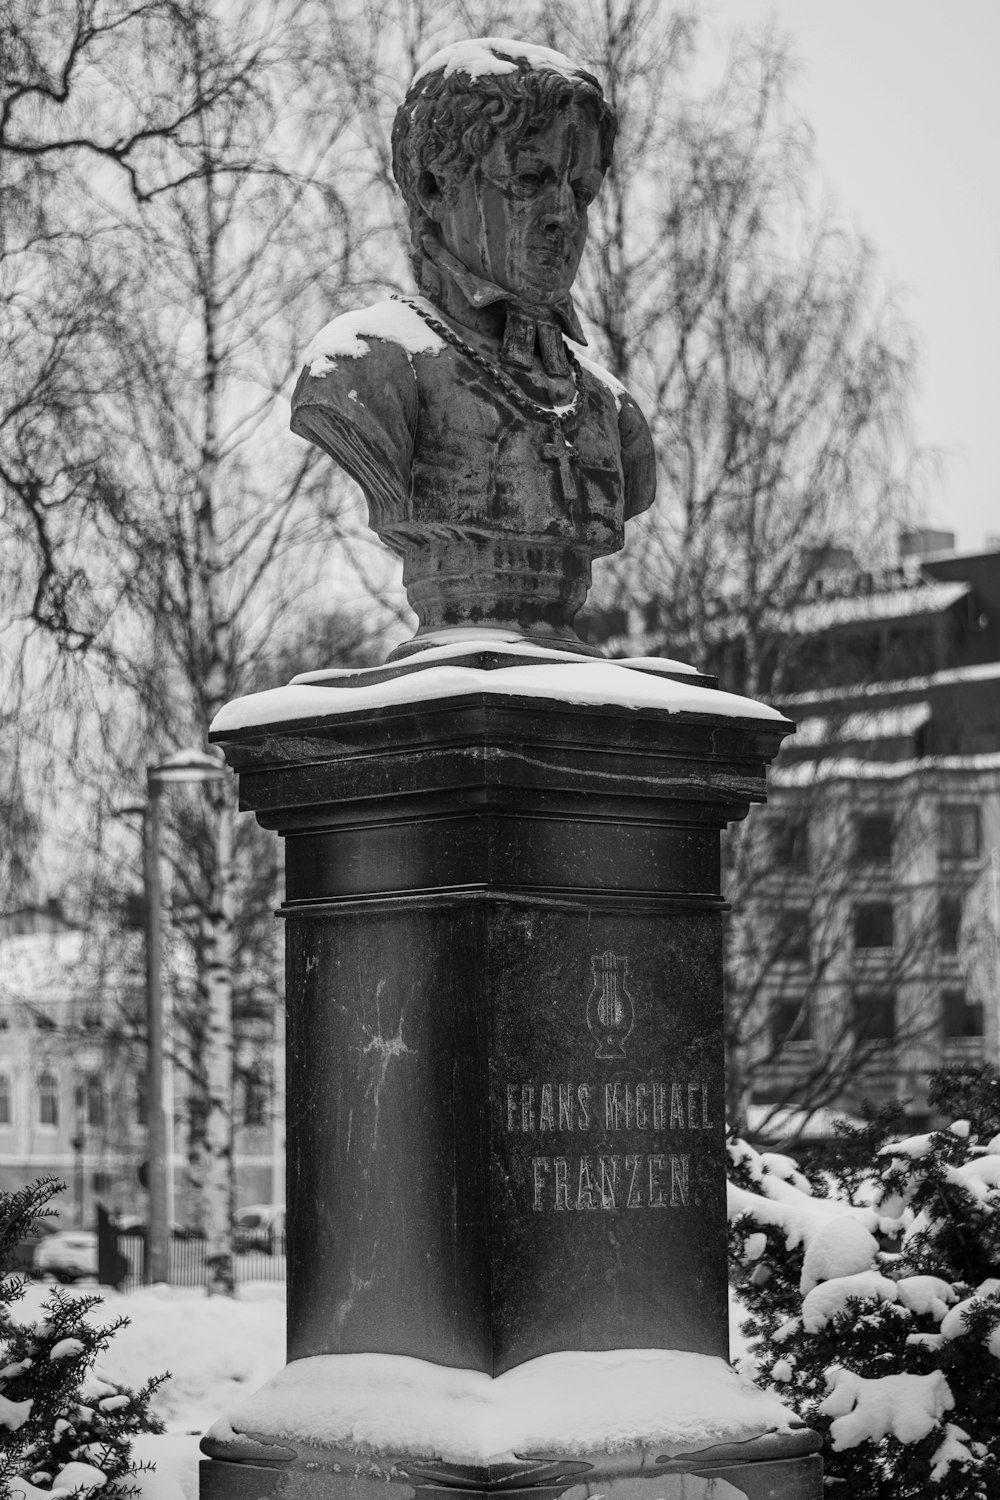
x,y
670,1401
564,679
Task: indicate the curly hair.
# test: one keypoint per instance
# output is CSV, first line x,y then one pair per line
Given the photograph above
x,y
448,122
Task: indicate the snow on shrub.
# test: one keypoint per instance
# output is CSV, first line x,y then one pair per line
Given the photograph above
x,y
872,1293
908,1406
64,1428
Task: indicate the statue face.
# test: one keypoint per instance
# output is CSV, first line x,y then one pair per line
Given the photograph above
x,y
520,217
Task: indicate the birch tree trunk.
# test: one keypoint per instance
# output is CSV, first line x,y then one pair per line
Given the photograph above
x,y
216,986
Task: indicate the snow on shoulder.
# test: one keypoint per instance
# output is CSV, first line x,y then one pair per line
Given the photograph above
x,y
483,55
599,373
575,1401
346,337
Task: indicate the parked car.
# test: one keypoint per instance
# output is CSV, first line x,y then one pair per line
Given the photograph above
x,y
133,1224
259,1226
186,1232
20,1259
128,1224
67,1255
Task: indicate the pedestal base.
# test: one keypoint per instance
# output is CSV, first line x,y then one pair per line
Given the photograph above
x,y
773,1467
505,1083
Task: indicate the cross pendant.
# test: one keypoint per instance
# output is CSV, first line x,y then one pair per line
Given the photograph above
x,y
565,455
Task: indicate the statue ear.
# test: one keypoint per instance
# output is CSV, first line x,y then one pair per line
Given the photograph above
x,y
430,195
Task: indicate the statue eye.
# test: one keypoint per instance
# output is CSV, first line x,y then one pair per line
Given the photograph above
x,y
583,195
529,183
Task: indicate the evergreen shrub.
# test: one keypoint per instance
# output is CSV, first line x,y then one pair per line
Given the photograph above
x,y
871,1288
63,1426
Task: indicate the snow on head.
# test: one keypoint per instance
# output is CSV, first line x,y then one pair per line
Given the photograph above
x,y
493,54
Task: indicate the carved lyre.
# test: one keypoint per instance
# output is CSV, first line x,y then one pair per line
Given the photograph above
x,y
610,1011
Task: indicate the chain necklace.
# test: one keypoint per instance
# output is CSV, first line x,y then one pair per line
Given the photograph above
x,y
549,414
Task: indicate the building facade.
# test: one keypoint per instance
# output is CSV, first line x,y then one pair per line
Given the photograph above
x,y
72,1075
855,892
848,979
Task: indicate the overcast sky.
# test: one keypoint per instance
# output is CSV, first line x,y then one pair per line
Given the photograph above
x,y
904,100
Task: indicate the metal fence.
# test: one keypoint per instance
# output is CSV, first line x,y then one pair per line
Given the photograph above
x,y
187,1262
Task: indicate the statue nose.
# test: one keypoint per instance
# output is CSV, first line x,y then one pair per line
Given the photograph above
x,y
560,211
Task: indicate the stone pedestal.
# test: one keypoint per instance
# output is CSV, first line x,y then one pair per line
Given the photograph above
x,y
505,1069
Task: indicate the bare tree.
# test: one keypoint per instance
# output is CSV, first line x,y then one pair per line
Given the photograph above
x,y
175,231
751,326
234,522
86,127
171,216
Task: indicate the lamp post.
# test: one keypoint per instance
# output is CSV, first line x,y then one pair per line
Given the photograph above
x,y
183,766
78,1141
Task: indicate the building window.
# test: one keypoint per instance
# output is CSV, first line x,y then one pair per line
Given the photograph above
x,y
789,843
949,921
255,1094
789,1021
873,925
874,1018
93,1103
791,936
960,831
873,839
48,1099
960,1016
6,1104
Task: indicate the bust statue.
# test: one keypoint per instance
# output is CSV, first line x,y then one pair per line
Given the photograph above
x,y
495,458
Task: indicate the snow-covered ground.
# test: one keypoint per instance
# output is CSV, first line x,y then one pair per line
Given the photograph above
x,y
218,1350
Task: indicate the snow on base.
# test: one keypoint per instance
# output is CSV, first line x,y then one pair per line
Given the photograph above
x,y
578,1402
581,680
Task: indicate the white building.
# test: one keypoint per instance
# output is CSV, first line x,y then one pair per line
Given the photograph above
x,y
72,1074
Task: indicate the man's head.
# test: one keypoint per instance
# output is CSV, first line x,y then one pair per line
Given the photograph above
x,y
498,149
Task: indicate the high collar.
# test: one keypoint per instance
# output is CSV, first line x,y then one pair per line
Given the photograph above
x,y
462,289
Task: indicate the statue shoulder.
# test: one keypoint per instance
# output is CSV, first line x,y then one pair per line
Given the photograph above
x,y
392,331
357,398
637,452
